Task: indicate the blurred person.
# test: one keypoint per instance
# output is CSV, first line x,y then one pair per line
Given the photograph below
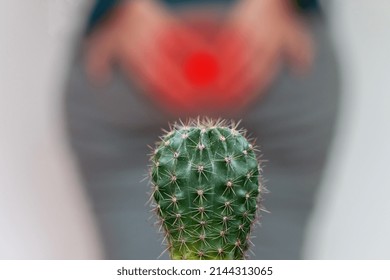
x,y
127,82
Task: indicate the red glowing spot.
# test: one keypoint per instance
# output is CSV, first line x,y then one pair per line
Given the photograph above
x,y
201,69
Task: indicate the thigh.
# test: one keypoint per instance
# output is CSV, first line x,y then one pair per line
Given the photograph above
x,y
294,125
110,129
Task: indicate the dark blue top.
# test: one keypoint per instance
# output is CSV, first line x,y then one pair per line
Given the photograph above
x,y
102,7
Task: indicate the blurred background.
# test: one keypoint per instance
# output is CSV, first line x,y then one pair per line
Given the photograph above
x,y
43,213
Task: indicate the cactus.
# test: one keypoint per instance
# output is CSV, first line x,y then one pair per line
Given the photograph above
x,y
206,185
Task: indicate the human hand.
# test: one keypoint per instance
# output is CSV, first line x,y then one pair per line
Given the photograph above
x,y
131,37
268,32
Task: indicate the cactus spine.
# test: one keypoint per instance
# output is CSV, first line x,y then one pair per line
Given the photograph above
x,y
205,190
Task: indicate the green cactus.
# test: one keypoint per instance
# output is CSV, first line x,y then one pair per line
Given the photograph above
x,y
206,186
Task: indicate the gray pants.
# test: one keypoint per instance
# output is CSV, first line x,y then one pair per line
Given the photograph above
x,y
110,129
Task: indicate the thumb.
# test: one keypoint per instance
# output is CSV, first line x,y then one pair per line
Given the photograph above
x,y
299,49
99,54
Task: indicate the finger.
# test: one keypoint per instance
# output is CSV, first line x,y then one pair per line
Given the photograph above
x,y
234,65
170,33
299,49
231,40
254,81
156,74
238,29
99,52
177,42
256,59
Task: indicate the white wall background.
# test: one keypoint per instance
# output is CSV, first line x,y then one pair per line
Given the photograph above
x,y
42,207
353,219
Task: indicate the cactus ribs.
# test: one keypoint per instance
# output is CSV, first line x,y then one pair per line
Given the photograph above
x,y
206,185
